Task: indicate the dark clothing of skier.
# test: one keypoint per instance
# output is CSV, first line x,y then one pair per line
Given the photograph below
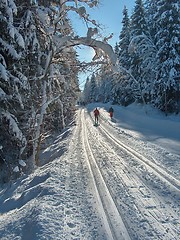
x,y
96,115
111,110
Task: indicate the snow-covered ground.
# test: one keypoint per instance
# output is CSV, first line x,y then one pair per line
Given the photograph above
x,y
119,180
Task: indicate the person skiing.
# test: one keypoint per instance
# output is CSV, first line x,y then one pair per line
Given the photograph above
x,y
111,110
96,115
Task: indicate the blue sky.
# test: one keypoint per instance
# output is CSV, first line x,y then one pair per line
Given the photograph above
x,y
109,15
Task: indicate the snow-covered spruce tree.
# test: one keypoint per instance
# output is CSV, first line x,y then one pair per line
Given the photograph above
x,y
167,38
105,79
138,25
124,40
151,11
90,89
116,49
31,65
142,50
13,84
122,82
86,94
92,93
98,87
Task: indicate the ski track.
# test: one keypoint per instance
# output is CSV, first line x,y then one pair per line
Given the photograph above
x,y
101,188
152,151
111,217
78,183
157,169
154,210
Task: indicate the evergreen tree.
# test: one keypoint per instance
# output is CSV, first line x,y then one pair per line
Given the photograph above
x,y
168,56
124,40
105,79
13,84
151,16
138,21
116,49
140,46
122,81
93,88
86,93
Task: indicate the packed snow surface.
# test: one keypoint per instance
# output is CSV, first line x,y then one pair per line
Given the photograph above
x,y
118,180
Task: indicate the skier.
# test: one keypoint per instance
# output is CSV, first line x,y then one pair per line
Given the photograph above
x,y
96,115
111,110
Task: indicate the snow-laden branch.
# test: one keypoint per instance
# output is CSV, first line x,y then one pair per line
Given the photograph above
x,y
90,3
143,46
15,130
66,42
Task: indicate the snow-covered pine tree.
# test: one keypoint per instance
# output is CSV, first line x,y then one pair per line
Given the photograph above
x,y
124,40
138,25
116,49
141,47
13,84
105,84
167,38
122,82
92,93
151,14
85,97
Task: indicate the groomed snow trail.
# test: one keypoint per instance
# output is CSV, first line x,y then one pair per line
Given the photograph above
x,y
154,167
106,185
146,195
111,217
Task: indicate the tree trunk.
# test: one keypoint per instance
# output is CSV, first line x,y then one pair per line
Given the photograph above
x,y
38,135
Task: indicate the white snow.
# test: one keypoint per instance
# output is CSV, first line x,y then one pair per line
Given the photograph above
x,y
4,75
22,163
20,40
16,169
119,180
13,127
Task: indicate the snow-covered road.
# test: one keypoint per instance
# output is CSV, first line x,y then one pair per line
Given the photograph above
x,y
140,188
110,183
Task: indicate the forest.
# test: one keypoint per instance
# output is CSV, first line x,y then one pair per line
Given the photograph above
x,y
148,54
39,69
